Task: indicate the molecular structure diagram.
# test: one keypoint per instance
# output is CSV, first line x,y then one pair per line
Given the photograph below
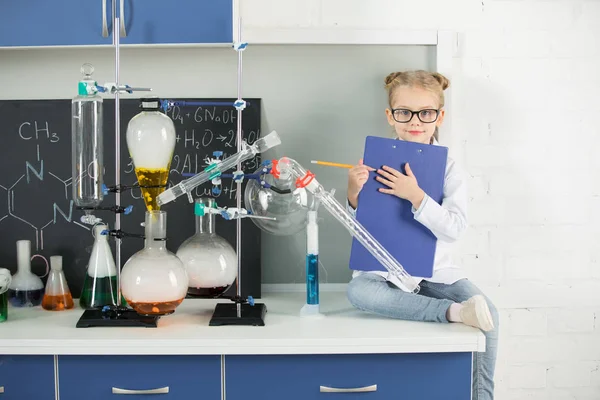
x,y
26,199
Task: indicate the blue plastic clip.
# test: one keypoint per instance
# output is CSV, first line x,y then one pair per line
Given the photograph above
x,y
239,104
216,191
241,46
128,210
251,300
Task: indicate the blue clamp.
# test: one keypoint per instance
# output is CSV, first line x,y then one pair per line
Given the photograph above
x,y
104,189
165,104
218,153
238,176
251,300
216,191
128,210
240,46
239,104
225,215
105,232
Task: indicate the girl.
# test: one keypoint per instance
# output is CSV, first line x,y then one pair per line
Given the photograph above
x,y
416,111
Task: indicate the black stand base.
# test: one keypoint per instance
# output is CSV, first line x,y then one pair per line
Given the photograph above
x,y
226,314
116,317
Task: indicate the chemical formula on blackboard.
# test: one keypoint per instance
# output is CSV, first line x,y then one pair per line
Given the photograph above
x,y
35,181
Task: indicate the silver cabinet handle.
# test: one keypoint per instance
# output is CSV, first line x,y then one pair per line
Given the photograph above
x,y
104,24
1,389
149,391
325,389
122,18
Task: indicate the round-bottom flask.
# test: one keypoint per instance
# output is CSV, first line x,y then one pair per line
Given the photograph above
x,y
153,280
209,260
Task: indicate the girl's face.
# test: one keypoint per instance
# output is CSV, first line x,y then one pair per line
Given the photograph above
x,y
415,114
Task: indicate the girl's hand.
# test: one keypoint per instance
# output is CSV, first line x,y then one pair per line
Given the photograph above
x,y
400,185
357,177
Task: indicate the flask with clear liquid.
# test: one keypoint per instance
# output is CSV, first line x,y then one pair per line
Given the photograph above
x,y
26,288
87,143
210,261
153,280
100,284
151,143
57,296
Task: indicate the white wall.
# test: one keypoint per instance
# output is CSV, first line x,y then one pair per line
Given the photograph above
x,y
525,82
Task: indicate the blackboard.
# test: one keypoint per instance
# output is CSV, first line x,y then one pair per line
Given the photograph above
x,y
35,175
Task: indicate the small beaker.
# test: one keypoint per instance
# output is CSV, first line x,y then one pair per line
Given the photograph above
x,y
5,279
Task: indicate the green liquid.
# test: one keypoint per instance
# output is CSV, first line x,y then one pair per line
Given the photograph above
x,y
3,306
98,292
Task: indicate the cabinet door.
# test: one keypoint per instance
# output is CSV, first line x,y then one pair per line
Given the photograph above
x,y
443,376
139,377
177,21
27,377
54,23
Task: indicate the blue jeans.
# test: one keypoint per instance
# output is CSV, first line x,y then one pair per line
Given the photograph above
x,y
373,294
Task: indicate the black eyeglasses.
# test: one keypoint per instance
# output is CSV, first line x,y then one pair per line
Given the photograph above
x,y
426,116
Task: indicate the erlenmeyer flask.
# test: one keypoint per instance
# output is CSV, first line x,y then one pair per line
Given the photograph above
x,y
153,280
151,142
57,296
100,284
209,260
26,288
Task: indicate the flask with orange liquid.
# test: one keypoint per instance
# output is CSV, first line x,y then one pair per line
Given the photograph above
x,y
57,296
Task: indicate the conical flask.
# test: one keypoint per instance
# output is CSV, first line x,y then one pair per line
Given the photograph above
x,y
151,142
26,288
57,296
209,260
153,280
100,284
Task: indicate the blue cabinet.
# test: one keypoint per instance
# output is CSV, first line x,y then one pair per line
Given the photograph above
x,y
176,377
441,376
89,22
54,23
177,21
27,377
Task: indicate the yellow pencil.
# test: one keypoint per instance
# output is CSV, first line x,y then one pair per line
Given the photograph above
x,y
332,164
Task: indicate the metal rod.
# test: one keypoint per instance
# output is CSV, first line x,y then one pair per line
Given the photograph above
x,y
238,192
116,41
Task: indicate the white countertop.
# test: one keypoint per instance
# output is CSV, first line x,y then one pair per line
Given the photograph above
x,y
343,329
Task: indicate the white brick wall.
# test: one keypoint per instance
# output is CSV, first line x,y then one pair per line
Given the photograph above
x,y
526,112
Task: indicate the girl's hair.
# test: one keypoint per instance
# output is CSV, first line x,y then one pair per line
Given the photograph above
x,y
432,81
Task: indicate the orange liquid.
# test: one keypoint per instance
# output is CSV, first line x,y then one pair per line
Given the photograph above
x,y
58,303
166,307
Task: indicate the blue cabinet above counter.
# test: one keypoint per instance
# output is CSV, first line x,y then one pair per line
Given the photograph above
x,y
41,23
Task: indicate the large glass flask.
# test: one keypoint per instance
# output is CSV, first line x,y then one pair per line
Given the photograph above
x,y
26,288
86,143
100,284
153,280
210,261
57,296
151,142
277,196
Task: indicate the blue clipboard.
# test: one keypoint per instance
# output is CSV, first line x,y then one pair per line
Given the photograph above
x,y
390,219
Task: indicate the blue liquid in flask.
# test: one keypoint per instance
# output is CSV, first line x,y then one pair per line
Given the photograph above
x,y
312,279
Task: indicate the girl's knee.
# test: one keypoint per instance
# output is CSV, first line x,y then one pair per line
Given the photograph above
x,y
360,292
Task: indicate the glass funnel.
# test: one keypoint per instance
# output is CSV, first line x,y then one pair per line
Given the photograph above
x,y
151,142
153,280
210,261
